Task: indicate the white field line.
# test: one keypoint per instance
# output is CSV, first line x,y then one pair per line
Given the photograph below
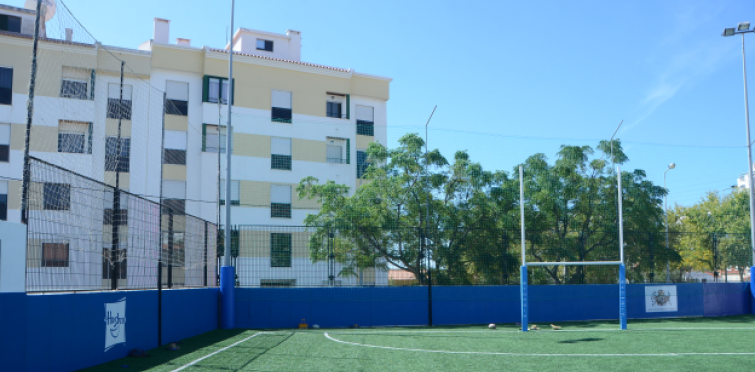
x,y
221,350
369,331
522,354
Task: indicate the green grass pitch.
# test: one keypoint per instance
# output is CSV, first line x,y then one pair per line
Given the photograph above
x,y
686,344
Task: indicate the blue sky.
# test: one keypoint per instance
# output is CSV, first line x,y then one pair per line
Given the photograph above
x,y
514,78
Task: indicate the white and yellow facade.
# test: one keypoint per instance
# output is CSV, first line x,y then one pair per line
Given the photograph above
x,y
291,120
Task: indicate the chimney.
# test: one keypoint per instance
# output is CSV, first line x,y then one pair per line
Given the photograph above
x,y
294,46
184,42
69,35
161,32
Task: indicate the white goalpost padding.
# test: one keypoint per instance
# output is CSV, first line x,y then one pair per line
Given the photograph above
x,y
523,283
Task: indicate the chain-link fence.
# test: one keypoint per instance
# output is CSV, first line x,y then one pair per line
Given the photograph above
x,y
85,235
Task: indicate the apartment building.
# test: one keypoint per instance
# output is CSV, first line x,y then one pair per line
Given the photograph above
x,y
291,119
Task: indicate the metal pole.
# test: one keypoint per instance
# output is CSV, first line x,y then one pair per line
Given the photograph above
x,y
160,240
227,272
29,116
621,217
668,247
227,231
427,230
116,212
749,156
521,210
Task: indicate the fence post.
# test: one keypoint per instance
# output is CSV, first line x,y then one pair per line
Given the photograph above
x,y
204,269
170,247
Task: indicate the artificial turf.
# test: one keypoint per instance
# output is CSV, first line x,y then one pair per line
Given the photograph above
x,y
311,350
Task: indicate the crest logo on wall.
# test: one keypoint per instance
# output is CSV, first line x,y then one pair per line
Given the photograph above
x,y
115,323
660,298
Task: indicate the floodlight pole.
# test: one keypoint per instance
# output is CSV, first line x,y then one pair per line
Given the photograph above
x,y
427,229
523,282
665,210
227,272
749,155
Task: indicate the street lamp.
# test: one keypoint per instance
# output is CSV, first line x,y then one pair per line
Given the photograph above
x,y
743,28
665,210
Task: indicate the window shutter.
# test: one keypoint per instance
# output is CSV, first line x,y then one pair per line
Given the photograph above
x,y
281,99
92,87
348,107
204,137
175,140
348,151
174,190
205,88
177,91
280,146
365,113
280,194
89,142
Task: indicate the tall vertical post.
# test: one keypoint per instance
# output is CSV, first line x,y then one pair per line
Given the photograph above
x,y
29,116
523,285
115,216
749,158
170,247
622,268
227,272
160,252
204,267
427,229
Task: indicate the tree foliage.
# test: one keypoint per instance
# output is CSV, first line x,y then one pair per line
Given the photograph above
x,y
466,218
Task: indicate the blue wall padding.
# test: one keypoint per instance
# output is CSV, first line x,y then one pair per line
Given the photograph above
x,y
13,331
189,312
574,302
367,306
689,300
726,299
475,304
66,332
331,307
752,290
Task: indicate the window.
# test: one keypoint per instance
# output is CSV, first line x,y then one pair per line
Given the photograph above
x,y
57,197
335,105
4,142
6,85
108,216
10,23
334,110
75,83
280,250
215,89
175,147
362,163
115,160
265,45
174,196
280,201
213,138
234,192
3,200
365,121
75,137
116,110
280,153
281,110
335,150
54,254
177,95
120,263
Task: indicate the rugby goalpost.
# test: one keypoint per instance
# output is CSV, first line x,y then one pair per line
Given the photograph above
x,y
523,283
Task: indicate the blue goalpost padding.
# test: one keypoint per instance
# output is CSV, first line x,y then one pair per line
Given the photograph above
x,y
623,296
524,298
227,297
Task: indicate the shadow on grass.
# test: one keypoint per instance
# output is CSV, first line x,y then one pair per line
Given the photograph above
x,y
160,356
589,339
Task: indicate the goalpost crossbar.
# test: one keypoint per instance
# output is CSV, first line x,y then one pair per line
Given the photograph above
x,y
575,263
